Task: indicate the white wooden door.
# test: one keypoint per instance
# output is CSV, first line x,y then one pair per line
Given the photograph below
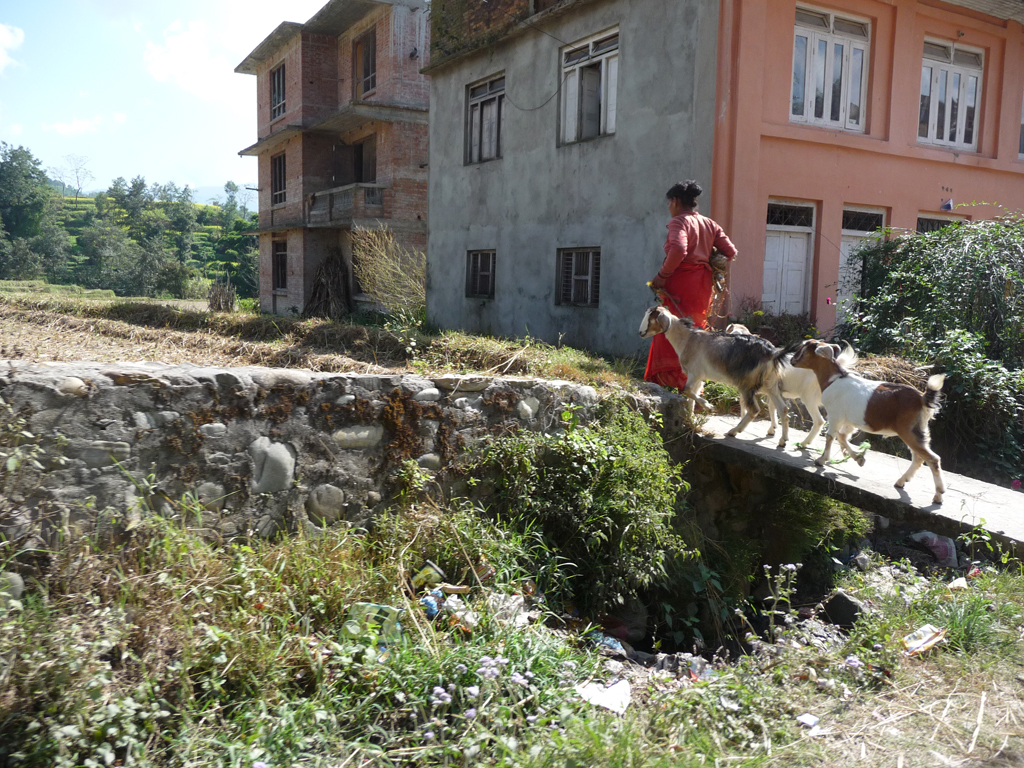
x,y
786,269
849,274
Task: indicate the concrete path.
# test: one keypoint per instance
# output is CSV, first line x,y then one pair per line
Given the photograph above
x,y
967,503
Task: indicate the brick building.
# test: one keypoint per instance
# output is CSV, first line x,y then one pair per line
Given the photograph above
x,y
342,129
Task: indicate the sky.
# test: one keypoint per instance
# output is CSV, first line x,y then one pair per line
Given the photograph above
x,y
137,88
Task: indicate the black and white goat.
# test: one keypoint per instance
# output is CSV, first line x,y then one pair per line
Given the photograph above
x,y
748,363
878,407
801,384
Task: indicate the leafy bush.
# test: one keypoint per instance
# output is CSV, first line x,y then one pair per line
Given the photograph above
x,y
916,287
597,501
955,298
781,330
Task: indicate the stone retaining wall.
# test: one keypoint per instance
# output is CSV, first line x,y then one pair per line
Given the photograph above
x,y
260,450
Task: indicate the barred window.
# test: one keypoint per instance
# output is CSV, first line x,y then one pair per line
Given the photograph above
x,y
480,274
579,277
862,221
277,92
278,185
782,215
930,224
279,264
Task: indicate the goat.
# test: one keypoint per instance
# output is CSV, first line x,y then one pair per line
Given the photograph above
x,y
748,363
800,384
878,407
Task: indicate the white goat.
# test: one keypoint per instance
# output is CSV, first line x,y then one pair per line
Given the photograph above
x,y
874,406
748,363
800,384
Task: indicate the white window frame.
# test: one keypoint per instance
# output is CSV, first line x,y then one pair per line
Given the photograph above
x,y
485,143
941,57
830,32
865,209
580,119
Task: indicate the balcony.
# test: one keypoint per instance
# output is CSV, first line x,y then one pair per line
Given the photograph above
x,y
337,207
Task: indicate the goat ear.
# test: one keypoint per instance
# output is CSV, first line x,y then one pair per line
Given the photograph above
x,y
826,351
836,350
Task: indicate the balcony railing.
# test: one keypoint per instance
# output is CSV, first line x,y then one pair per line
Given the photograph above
x,y
342,204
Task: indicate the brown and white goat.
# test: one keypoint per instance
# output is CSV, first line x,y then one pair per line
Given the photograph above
x,y
878,407
800,384
748,363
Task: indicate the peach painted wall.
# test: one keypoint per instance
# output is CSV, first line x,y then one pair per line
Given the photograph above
x,y
761,155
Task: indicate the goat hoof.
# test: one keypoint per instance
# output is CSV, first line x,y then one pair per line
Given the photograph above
x,y
937,499
820,462
859,460
900,483
782,444
732,433
771,432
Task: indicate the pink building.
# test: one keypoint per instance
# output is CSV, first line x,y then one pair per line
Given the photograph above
x,y
342,129
837,117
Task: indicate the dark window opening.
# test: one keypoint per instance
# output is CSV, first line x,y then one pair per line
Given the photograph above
x,y
364,64
277,92
480,274
579,274
278,185
926,224
279,265
781,215
364,160
862,221
486,120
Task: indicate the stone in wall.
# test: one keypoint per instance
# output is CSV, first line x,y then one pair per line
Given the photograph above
x,y
248,451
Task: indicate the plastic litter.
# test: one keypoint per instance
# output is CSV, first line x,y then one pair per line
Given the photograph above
x,y
365,619
432,602
807,719
924,639
428,577
460,615
957,585
508,609
484,573
615,697
941,546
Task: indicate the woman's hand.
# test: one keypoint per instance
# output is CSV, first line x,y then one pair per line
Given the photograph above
x,y
657,283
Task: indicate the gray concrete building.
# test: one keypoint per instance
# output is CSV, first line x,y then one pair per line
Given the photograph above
x,y
554,134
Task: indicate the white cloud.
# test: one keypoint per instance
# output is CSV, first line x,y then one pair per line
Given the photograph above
x,y
76,126
190,58
120,117
15,130
11,39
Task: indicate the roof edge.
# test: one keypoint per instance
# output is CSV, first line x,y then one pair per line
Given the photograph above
x,y
271,44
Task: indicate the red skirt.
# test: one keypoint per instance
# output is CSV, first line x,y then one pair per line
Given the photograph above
x,y
687,293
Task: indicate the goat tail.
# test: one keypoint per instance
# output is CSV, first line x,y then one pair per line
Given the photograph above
x,y
933,394
847,358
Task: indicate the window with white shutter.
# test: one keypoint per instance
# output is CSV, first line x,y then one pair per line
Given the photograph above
x,y
830,70
950,96
590,75
485,119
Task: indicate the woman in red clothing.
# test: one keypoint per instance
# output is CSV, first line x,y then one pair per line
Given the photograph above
x,y
684,282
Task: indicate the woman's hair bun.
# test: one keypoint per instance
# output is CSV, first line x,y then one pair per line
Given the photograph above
x,y
688,191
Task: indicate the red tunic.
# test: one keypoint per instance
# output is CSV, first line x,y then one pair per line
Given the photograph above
x,y
688,287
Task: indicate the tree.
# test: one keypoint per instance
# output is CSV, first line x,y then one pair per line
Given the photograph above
x,y
52,245
78,173
229,211
182,215
24,192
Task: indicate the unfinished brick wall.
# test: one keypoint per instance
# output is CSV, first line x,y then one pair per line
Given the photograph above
x,y
462,25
